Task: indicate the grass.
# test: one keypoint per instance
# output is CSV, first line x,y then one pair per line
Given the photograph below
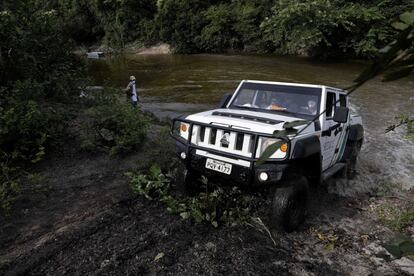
x,y
393,217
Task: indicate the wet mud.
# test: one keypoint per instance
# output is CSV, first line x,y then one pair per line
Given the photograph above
x,y
88,222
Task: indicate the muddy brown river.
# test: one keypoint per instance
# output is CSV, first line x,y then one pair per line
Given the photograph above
x,y
175,84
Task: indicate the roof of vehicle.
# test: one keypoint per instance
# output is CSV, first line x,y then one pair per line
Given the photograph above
x,y
297,84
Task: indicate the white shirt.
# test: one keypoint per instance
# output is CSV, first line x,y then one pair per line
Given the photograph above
x,y
133,89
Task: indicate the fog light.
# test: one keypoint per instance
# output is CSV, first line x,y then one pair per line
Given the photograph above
x,y
183,155
263,176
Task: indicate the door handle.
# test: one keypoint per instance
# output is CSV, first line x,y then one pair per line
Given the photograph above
x,y
338,130
328,131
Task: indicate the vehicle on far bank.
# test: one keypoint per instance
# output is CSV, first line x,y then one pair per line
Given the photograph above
x,y
227,142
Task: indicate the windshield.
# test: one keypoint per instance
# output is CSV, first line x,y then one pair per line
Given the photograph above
x,y
296,100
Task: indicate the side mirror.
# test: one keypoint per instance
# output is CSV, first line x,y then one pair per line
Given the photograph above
x,y
224,100
341,114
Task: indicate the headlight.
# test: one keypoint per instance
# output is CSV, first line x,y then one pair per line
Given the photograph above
x,y
181,129
184,130
264,142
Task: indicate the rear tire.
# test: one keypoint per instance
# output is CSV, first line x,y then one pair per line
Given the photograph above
x,y
290,204
350,171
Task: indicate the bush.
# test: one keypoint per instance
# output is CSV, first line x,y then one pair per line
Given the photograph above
x,y
119,21
163,151
217,205
9,184
38,78
332,27
116,128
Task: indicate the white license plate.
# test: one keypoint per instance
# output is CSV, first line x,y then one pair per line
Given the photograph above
x,y
218,166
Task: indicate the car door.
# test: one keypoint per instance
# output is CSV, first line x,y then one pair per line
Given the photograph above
x,y
331,134
342,131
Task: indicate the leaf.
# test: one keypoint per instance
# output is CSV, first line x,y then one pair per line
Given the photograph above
x,y
407,60
159,256
106,134
398,74
390,52
400,246
394,250
155,171
294,124
284,133
407,247
185,215
329,247
214,223
407,17
399,26
269,151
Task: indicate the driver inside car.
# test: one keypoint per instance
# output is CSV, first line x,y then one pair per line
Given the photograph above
x,y
276,103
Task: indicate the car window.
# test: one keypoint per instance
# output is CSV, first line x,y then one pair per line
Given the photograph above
x,y
330,103
245,98
342,100
294,100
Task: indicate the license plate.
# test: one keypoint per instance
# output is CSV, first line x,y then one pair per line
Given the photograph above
x,y
218,166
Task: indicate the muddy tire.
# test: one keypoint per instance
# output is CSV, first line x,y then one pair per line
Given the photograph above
x,y
290,204
349,172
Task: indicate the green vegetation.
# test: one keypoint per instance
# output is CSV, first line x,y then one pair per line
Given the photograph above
x,y
316,28
395,218
216,205
113,127
114,22
404,120
163,150
39,85
401,246
324,28
37,79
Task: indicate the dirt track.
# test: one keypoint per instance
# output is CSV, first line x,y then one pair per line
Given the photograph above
x,y
88,222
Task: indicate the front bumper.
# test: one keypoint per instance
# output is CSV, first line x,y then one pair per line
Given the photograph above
x,y
240,174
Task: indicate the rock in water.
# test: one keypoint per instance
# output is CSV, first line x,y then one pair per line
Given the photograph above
x,y
95,55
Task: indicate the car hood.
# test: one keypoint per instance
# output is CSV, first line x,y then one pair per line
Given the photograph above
x,y
261,122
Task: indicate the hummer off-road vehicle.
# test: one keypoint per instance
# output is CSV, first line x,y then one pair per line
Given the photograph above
x,y
228,141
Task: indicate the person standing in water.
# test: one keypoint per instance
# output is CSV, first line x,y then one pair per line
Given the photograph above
x,y
132,91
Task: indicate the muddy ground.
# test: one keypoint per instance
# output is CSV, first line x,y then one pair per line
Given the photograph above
x,y
86,221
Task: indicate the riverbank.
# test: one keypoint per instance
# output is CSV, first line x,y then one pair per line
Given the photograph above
x,y
135,48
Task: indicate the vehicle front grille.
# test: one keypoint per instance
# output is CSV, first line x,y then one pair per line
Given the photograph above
x,y
234,142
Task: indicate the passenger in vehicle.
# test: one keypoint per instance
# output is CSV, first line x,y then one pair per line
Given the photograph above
x,y
312,108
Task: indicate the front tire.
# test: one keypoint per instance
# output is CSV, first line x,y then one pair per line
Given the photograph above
x,y
290,204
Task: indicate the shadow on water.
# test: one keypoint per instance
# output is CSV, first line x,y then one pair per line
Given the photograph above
x,y
182,84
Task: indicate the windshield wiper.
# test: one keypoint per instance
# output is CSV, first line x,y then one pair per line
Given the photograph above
x,y
244,107
285,111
